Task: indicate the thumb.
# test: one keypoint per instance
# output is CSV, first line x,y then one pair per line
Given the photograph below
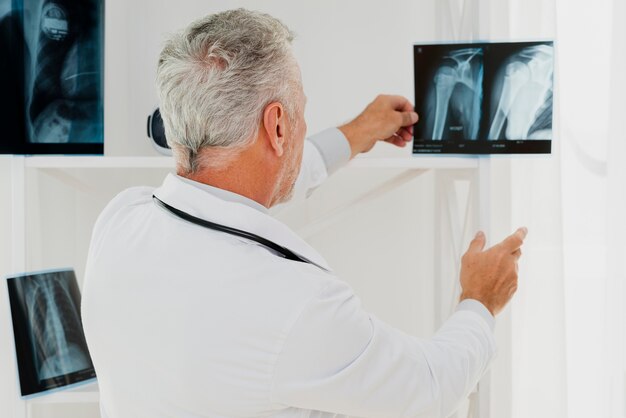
x,y
478,243
409,118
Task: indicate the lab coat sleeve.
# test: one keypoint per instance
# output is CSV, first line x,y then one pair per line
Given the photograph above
x,y
324,153
340,359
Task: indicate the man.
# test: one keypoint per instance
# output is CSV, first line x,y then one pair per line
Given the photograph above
x,y
197,303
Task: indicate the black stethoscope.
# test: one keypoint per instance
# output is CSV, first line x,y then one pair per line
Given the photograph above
x,y
279,249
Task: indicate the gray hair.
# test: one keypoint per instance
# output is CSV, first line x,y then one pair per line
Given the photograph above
x,y
214,80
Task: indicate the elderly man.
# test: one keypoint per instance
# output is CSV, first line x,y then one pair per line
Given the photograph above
x,y
197,303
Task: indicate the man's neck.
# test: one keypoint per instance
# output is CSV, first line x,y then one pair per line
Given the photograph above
x,y
225,194
248,175
233,182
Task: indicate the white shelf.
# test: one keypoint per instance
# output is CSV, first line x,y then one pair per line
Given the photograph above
x,y
416,162
81,394
98,162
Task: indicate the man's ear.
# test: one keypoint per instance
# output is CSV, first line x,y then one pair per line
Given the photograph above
x,y
274,124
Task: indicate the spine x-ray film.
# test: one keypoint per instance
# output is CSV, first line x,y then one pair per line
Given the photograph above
x,y
51,76
484,98
50,345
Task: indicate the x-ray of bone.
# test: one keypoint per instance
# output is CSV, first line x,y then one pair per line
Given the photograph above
x,y
50,344
521,101
53,69
484,97
455,95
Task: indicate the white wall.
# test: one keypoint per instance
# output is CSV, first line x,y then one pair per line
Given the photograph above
x,y
349,51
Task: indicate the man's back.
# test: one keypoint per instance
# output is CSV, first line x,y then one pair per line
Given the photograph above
x,y
182,341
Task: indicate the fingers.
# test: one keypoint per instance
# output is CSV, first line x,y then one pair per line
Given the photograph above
x,y
402,137
399,103
408,118
396,140
403,106
405,133
514,241
478,243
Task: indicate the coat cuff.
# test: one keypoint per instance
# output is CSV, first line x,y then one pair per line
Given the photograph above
x,y
333,147
477,307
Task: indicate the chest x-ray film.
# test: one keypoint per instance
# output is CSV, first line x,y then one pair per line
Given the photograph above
x,y
49,341
51,76
484,98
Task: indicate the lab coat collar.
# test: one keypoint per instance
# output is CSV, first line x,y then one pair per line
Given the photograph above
x,y
205,205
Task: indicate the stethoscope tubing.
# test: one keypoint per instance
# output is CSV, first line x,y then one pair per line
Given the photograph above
x,y
279,249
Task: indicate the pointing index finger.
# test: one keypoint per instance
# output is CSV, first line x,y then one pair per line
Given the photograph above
x,y
514,241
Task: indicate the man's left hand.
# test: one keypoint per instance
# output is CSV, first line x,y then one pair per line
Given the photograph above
x,y
387,118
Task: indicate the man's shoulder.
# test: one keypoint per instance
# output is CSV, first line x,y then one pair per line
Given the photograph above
x,y
127,198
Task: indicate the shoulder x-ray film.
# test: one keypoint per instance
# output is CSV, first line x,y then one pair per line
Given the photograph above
x,y
484,98
50,344
51,76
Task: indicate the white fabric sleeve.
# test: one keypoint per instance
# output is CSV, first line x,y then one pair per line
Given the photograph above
x,y
476,306
324,153
333,147
340,359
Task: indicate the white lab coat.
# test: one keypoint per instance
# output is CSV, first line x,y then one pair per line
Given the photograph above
x,y
187,322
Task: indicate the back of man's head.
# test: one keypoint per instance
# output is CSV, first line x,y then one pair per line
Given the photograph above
x,y
215,78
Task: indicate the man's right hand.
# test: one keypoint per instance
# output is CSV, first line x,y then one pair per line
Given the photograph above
x,y
387,118
490,276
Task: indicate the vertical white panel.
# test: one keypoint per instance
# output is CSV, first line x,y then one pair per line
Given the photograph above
x,y
616,221
18,214
16,407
